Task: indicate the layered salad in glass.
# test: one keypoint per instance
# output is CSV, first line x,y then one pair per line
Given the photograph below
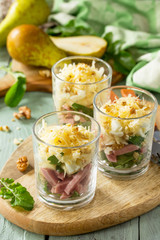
x,y
65,172
77,80
127,124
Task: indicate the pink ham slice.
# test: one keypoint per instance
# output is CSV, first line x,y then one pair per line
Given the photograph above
x,y
66,107
111,157
77,178
50,176
69,120
144,149
64,195
127,149
59,187
61,176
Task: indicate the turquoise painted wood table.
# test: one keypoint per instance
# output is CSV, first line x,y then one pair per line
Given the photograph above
x,y
145,227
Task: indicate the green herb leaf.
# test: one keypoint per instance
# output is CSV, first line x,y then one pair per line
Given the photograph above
x,y
84,109
75,194
59,169
125,158
103,155
86,124
136,140
18,194
73,28
62,154
16,92
54,160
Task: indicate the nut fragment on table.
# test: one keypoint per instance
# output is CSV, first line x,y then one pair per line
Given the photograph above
x,y
22,163
4,128
17,141
24,111
45,73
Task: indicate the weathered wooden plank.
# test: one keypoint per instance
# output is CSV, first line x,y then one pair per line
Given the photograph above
x,y
150,225
125,231
40,103
9,231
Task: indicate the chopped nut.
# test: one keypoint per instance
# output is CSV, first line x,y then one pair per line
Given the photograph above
x,y
22,163
17,141
4,128
17,115
24,111
18,128
13,119
124,103
45,73
133,110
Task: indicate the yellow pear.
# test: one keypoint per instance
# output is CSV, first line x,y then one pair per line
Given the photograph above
x,y
81,45
30,45
23,12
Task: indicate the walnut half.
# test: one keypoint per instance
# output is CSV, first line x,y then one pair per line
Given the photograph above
x,y
22,163
24,111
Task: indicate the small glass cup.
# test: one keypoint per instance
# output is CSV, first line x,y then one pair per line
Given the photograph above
x,y
127,118
65,173
78,94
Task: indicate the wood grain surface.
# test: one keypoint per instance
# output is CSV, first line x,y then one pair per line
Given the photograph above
x,y
115,201
35,81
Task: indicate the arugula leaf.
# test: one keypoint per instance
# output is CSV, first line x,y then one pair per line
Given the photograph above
x,y
72,28
122,60
136,140
17,90
125,158
84,109
18,194
103,155
75,194
62,154
86,124
54,160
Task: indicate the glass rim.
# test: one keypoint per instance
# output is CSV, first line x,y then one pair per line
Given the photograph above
x,y
109,76
63,147
133,88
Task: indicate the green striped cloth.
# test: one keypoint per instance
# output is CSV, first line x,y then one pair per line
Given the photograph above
x,y
136,22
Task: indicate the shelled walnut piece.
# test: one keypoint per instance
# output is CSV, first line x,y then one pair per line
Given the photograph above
x,y
22,163
45,73
4,128
24,111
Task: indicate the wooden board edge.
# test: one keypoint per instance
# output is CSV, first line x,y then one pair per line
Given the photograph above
x,y
3,172
99,223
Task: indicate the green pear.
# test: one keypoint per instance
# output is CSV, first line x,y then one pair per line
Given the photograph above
x,y
23,12
30,45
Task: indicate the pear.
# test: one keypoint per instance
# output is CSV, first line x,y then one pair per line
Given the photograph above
x,y
23,12
81,45
30,45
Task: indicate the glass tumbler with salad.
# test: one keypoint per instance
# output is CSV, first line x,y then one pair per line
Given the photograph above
x,y
127,118
76,80
65,152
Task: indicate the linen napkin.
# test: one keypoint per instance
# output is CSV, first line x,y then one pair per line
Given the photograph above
x,y
146,74
136,23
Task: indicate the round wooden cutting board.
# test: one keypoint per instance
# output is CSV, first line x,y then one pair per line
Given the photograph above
x,y
115,201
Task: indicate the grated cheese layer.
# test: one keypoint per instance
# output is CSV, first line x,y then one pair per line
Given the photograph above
x,y
66,136
66,93
116,132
